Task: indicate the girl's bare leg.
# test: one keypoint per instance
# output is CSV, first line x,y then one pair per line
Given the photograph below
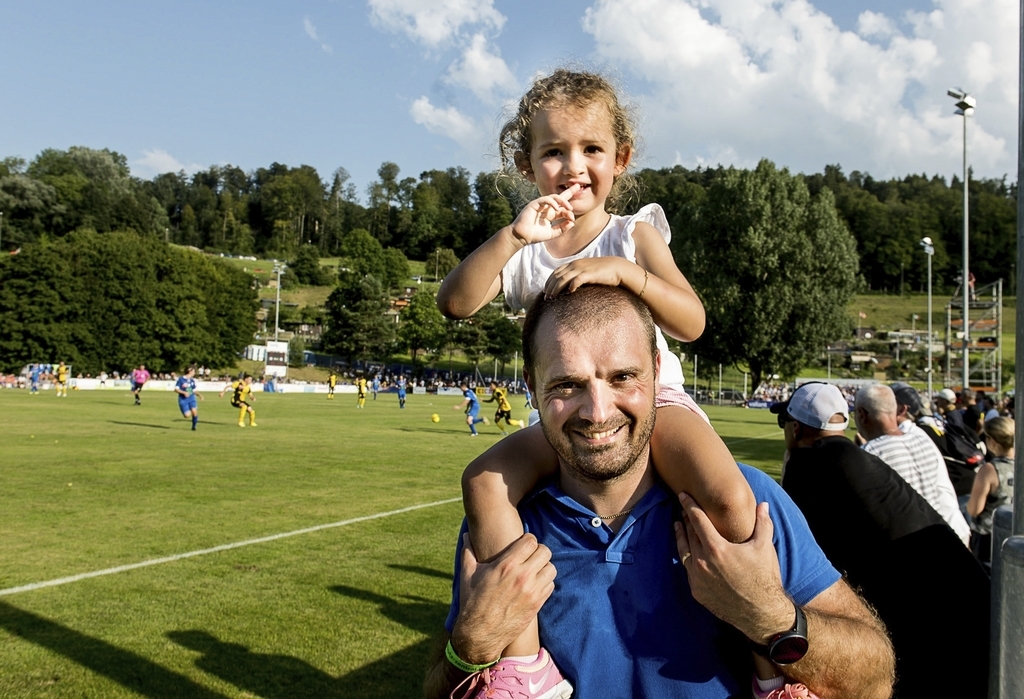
x,y
492,486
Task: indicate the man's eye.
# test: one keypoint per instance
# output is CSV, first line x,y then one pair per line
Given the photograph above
x,y
551,153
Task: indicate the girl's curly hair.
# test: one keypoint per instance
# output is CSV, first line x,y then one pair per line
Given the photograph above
x,y
564,88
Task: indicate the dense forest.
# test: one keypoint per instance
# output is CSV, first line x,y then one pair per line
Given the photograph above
x,y
274,211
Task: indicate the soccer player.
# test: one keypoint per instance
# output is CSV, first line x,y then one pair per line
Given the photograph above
x,y
529,398
33,374
332,381
185,387
504,410
139,377
401,392
361,390
472,406
243,398
61,375
376,385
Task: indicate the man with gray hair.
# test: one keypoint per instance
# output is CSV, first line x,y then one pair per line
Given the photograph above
x,y
913,455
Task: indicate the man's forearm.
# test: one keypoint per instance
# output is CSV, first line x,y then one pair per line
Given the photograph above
x,y
850,655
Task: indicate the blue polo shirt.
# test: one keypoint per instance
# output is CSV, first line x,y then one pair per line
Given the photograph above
x,y
622,621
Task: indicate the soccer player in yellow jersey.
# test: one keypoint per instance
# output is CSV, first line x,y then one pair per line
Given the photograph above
x,y
61,376
242,399
361,389
504,411
332,381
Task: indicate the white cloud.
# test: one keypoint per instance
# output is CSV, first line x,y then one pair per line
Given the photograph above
x,y
157,161
448,122
872,24
312,33
434,22
745,79
481,70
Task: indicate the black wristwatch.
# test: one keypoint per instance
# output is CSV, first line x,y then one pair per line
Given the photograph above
x,y
789,646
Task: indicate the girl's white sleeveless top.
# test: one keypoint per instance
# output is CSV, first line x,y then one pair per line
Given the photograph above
x,y
524,276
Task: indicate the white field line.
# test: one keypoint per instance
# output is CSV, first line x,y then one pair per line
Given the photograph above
x,y
216,549
747,439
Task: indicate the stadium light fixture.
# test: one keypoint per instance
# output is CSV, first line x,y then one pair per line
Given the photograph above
x,y
929,250
965,105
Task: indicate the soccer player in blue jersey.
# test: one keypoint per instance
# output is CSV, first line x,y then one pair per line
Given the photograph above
x,y
472,406
33,375
401,392
185,387
375,385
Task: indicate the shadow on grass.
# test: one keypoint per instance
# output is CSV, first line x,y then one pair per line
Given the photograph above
x,y
139,424
419,570
279,676
128,669
262,674
399,674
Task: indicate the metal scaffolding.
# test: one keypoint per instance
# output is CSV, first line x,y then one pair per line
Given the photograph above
x,y
984,318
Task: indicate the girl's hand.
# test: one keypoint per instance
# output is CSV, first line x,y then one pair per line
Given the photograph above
x,y
545,218
589,270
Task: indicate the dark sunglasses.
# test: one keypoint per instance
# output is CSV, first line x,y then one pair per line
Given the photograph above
x,y
783,418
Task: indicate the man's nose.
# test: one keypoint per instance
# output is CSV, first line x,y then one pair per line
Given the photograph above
x,y
598,404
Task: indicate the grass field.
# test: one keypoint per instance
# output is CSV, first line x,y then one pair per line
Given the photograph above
x,y
91,482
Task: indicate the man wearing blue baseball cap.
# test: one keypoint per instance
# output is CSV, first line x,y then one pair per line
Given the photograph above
x,y
891,544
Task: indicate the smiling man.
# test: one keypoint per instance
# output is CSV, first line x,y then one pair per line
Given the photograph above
x,y
644,606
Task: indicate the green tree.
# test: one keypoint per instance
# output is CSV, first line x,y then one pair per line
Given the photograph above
x,y
362,254
396,268
441,261
503,337
112,301
422,326
305,268
358,326
774,266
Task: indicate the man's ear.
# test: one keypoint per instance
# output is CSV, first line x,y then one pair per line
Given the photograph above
x,y
657,366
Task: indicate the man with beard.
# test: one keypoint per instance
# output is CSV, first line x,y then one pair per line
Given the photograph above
x,y
646,605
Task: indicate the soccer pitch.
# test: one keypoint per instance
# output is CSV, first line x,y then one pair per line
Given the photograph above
x,y
92,483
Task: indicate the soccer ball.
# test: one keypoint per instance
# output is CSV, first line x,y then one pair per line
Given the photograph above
x,y
435,417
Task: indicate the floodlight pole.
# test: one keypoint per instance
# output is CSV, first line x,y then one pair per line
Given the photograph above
x,y
965,106
929,250
277,307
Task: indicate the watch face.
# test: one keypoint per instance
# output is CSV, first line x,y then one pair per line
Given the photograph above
x,y
788,649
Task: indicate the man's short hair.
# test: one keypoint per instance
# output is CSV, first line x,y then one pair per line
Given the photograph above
x,y
966,394
876,400
907,395
583,310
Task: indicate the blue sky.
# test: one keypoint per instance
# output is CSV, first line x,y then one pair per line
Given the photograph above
x,y
423,83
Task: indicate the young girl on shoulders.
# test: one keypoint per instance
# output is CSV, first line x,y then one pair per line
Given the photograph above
x,y
573,139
